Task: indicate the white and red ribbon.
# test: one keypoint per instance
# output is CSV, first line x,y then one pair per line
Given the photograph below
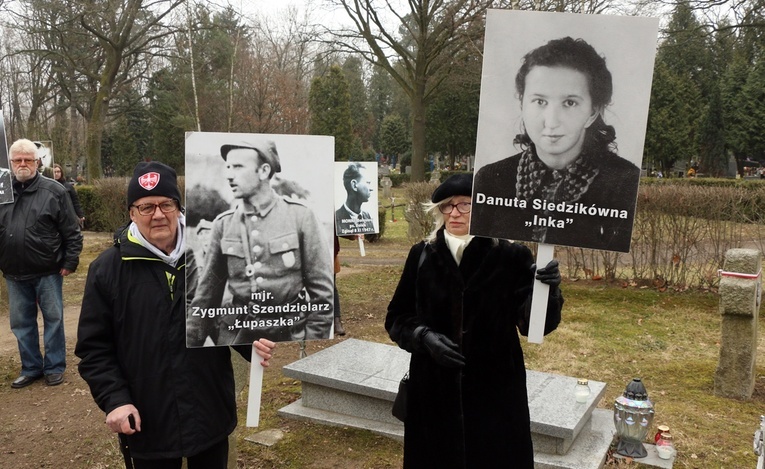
x,y
723,273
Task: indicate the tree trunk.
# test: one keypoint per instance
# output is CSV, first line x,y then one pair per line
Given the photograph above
x,y
418,135
95,133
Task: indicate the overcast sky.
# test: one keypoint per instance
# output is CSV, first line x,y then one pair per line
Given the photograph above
x,y
272,9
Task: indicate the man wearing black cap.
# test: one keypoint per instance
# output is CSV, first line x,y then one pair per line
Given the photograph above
x,y
40,244
171,402
267,257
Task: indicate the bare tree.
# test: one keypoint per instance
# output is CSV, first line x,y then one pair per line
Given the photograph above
x,y
28,78
96,49
273,75
415,44
714,15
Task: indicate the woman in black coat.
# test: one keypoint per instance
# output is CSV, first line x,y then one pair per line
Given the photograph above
x,y
58,175
457,309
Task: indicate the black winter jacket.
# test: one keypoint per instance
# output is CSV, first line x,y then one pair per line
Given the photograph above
x,y
132,342
72,195
477,416
39,232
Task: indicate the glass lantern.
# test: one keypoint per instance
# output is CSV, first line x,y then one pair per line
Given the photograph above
x,y
664,446
633,414
582,390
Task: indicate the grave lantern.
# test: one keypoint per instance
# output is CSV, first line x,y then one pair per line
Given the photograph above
x,y
633,414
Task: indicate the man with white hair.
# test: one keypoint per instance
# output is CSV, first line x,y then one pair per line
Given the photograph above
x,y
40,244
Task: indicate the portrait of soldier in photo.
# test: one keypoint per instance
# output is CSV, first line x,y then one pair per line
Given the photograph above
x,y
564,180
357,213
267,270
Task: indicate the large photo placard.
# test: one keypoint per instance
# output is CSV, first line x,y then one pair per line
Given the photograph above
x,y
563,111
259,214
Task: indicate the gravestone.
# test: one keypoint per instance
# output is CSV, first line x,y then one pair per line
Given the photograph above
x,y
740,293
354,382
386,184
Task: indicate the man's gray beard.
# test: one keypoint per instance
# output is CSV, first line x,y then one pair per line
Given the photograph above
x,y
24,178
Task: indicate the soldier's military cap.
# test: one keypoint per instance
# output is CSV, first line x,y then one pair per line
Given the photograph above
x,y
266,148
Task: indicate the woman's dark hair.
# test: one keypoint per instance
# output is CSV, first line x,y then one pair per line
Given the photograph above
x,y
578,55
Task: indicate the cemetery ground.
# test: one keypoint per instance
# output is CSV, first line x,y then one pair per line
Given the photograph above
x,y
610,333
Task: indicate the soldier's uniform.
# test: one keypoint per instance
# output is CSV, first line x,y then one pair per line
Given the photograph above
x,y
277,264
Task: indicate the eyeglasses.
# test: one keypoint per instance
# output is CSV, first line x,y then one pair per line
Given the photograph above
x,y
149,209
462,207
27,161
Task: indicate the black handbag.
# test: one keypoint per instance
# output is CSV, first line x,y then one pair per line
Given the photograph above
x,y
399,404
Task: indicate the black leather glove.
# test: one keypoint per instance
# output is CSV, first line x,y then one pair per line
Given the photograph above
x,y
550,274
442,349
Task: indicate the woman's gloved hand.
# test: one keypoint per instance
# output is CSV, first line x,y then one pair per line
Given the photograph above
x,y
549,274
442,349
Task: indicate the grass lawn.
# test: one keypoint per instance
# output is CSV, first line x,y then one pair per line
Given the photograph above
x,y
608,333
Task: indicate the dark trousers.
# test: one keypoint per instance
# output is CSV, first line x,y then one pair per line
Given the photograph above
x,y
215,457
337,300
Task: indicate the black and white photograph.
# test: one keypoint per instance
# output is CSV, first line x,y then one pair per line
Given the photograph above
x,y
356,198
259,211
561,127
45,160
6,179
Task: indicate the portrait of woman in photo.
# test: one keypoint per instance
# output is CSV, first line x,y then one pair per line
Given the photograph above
x,y
567,185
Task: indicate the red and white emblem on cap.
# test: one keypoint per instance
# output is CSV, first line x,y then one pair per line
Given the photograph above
x,y
149,180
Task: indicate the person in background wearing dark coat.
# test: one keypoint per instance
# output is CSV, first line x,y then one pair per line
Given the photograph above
x,y
567,186
457,308
40,244
131,338
58,175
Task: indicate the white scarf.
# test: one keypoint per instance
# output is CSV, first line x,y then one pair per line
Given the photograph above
x,y
172,258
457,244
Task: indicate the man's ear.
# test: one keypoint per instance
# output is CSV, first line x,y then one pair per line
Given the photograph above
x,y
263,171
354,183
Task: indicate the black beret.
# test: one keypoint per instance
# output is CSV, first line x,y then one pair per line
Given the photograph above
x,y
266,148
457,184
153,178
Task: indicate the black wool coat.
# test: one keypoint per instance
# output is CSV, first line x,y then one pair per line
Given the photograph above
x,y
477,416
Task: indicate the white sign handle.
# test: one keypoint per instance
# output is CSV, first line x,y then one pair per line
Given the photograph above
x,y
361,246
545,253
256,389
